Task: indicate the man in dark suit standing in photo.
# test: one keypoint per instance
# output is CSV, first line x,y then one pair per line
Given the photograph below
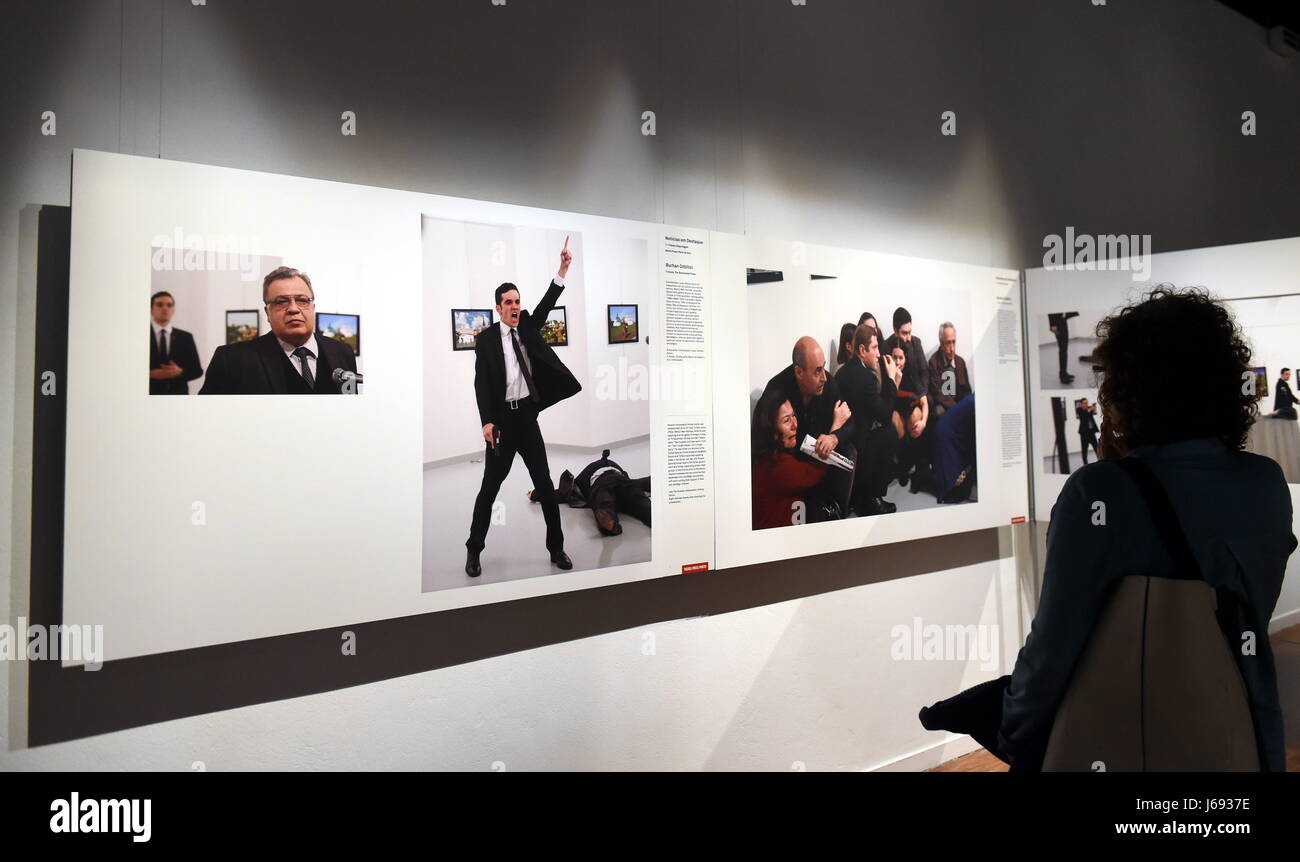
x,y
1284,401
915,445
870,395
288,360
173,358
516,376
1087,428
1058,322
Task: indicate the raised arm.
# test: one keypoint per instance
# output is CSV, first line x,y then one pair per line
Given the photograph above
x,y
553,291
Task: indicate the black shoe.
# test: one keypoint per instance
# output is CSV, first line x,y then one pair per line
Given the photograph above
x,y
561,559
876,506
902,478
960,491
472,567
922,481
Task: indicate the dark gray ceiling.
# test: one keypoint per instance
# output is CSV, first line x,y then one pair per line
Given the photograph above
x,y
1268,13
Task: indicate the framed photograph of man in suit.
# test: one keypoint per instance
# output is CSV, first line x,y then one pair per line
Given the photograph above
x,y
294,357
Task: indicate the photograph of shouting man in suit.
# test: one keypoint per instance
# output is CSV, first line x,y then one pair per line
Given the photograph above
x,y
516,376
291,359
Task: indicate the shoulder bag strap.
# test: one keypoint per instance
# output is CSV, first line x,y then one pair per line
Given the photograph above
x,y
1166,520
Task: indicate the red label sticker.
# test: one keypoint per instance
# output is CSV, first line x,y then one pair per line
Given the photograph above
x,y
1018,519
695,567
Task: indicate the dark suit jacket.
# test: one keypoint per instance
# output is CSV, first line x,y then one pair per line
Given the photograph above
x,y
259,367
1283,399
583,480
1087,424
818,415
870,401
553,381
938,401
181,350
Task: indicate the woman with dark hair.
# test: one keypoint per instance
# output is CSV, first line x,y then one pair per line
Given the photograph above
x,y
780,479
845,353
1181,434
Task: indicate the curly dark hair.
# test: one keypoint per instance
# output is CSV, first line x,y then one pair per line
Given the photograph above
x,y
1151,394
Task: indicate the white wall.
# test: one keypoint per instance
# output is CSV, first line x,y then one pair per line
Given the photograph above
x,y
782,312
620,271
816,123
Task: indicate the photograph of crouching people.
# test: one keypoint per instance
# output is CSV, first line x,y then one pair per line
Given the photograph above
x,y
863,421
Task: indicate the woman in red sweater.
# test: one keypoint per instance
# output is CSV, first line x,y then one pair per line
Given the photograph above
x,y
780,479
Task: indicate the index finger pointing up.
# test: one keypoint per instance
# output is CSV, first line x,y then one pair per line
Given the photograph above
x,y
566,242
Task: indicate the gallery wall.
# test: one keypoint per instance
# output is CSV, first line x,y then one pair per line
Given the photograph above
x,y
817,123
783,312
619,271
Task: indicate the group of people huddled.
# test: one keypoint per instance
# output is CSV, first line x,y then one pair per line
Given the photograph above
x,y
887,411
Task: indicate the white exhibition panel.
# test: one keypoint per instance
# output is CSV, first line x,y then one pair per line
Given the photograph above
x,y
996,376
1268,270
310,508
200,521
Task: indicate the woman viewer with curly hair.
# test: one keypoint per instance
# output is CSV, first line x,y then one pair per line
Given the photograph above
x,y
1176,394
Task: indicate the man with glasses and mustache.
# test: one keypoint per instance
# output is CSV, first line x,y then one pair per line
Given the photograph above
x,y
288,360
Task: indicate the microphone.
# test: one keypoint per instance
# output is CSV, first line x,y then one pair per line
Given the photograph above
x,y
342,376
